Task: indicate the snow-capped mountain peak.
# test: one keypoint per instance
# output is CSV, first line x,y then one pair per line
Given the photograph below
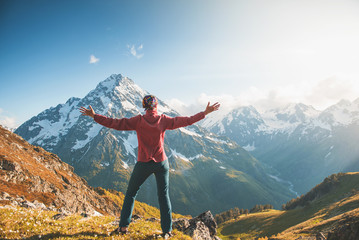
x,y
342,113
122,90
292,113
246,111
356,102
118,89
243,112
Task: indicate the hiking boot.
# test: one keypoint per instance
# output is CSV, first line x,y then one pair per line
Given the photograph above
x,y
118,231
167,235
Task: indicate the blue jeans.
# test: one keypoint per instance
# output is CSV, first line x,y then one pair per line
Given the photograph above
x,y
141,172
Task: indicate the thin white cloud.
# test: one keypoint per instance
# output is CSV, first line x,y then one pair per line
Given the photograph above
x,y
136,51
320,95
331,90
94,59
8,122
227,102
179,106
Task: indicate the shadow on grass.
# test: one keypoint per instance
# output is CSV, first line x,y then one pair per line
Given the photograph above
x,y
80,235
83,235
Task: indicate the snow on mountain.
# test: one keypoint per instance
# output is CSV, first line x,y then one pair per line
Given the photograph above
x,y
213,119
189,132
342,113
220,119
247,118
131,143
176,154
63,118
119,89
92,132
248,112
286,119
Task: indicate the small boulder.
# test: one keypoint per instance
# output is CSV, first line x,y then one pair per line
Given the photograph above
x,y
39,205
85,215
27,204
181,224
208,219
8,165
153,219
59,216
135,217
198,231
320,236
202,227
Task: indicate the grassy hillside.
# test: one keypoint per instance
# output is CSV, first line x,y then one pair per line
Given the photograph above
x,y
320,210
24,223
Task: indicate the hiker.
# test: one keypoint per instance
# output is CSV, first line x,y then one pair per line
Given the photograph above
x,y
151,157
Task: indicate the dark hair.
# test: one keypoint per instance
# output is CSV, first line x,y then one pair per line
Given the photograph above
x,y
149,102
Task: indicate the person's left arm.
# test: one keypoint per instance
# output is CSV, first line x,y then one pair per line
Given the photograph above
x,y
177,122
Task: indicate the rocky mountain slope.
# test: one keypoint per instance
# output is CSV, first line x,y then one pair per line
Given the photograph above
x,y
207,171
30,176
303,144
330,210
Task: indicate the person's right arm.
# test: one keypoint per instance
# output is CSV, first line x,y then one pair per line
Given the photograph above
x,y
118,124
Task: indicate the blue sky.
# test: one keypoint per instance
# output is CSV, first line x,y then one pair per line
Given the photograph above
x,y
259,52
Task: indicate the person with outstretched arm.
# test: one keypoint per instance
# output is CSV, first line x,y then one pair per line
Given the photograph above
x,y
151,157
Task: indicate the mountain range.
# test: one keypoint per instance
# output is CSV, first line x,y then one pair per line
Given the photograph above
x,y
207,170
303,144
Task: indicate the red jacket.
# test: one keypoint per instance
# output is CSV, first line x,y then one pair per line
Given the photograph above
x,y
150,129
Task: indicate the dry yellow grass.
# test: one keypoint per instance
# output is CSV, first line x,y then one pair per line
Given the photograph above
x,y
21,223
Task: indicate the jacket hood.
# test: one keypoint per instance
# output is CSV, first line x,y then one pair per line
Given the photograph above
x,y
152,116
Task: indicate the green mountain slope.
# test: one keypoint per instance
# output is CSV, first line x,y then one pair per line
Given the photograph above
x,y
322,209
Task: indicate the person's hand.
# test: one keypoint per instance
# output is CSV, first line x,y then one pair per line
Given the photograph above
x,y
211,108
87,112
